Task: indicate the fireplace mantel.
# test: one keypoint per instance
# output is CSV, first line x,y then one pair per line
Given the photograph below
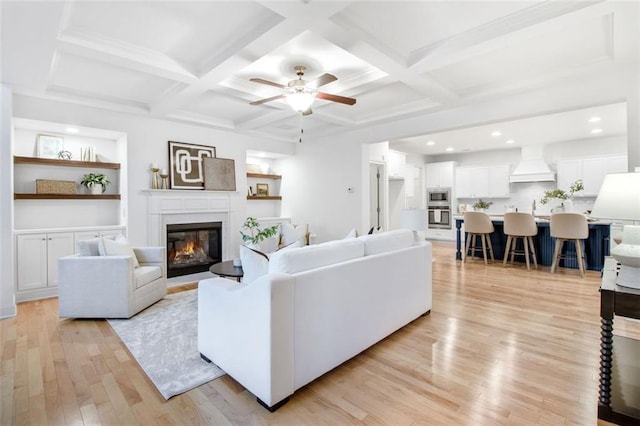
x,y
170,206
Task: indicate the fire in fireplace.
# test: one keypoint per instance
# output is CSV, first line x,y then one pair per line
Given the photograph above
x,y
193,247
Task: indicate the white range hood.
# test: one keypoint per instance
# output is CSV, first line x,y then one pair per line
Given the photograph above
x,y
532,167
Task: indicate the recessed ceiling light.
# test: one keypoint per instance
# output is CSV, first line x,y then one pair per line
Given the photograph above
x,y
594,119
496,133
72,130
449,149
430,143
510,141
596,131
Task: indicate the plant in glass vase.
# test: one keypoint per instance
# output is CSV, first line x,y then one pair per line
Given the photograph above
x,y
481,205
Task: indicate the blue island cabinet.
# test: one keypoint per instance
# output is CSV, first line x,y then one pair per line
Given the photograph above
x,y
596,246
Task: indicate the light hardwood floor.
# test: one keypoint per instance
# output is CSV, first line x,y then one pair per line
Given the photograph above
x,y
501,346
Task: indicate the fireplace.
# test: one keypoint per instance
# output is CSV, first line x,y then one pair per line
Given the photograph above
x,y
193,247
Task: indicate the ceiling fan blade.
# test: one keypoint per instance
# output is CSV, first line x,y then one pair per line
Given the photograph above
x,y
262,101
336,98
267,82
307,112
325,78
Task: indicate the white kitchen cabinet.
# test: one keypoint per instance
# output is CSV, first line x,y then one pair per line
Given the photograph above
x,y
439,175
591,170
37,263
482,181
396,164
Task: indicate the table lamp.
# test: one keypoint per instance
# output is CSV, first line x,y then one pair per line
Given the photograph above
x,y
619,199
415,220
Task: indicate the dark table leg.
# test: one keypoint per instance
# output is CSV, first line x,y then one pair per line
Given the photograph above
x,y
458,240
606,350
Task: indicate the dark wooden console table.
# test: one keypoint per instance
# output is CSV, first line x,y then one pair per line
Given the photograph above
x,y
621,301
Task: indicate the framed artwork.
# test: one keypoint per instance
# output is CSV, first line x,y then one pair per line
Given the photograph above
x,y
262,189
186,166
48,146
219,174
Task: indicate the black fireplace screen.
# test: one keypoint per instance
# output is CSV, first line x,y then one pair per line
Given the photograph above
x,y
193,247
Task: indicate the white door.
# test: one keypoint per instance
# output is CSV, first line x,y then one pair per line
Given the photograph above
x,y
31,262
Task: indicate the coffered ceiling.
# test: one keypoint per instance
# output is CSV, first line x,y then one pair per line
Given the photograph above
x,y
192,61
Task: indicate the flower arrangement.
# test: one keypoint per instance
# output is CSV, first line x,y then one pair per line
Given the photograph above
x,y
255,234
481,204
561,194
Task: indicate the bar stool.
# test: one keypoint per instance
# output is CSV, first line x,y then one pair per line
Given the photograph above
x,y
520,226
568,227
478,224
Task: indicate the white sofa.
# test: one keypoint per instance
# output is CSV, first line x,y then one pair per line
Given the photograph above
x,y
317,307
111,286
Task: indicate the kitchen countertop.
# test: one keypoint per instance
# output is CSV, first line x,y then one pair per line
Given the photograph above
x,y
541,218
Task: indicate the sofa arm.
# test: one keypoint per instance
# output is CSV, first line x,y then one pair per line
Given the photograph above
x,y
95,286
247,330
150,254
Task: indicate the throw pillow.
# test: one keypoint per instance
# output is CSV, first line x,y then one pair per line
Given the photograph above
x,y
118,247
254,264
88,247
291,233
352,234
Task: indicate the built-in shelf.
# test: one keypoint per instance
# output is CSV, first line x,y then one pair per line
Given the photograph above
x,y
66,197
262,197
263,176
65,163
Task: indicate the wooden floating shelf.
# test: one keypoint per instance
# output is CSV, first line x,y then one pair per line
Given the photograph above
x,y
65,163
257,197
263,176
66,197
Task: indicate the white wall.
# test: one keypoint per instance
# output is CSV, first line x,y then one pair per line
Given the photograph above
x,y
7,295
315,183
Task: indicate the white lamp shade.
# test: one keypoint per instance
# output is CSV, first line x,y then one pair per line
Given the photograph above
x,y
619,197
414,219
300,100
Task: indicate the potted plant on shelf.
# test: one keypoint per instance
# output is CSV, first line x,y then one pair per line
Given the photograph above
x,y
254,234
562,196
481,205
96,182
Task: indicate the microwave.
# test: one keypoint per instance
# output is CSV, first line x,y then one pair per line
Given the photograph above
x,y
438,196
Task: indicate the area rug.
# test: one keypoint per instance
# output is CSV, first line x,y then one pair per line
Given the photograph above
x,y
164,340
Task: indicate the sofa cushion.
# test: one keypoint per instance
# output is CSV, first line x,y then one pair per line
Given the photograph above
x,y
118,247
387,241
254,264
143,275
292,233
315,256
88,247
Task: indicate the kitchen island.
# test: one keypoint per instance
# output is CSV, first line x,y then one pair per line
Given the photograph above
x,y
596,245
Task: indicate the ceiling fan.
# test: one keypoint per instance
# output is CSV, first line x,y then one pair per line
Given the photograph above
x,y
300,93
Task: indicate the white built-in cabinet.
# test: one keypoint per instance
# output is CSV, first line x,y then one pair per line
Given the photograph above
x,y
37,255
396,164
591,170
439,175
37,259
482,181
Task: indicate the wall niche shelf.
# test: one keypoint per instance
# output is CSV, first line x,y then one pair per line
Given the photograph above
x,y
66,197
263,176
65,163
262,197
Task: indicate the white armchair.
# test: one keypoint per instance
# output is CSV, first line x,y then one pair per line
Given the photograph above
x,y
110,286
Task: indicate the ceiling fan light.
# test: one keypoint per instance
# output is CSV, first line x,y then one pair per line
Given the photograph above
x,y
300,101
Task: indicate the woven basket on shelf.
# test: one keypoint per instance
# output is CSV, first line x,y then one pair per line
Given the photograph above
x,y
45,186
